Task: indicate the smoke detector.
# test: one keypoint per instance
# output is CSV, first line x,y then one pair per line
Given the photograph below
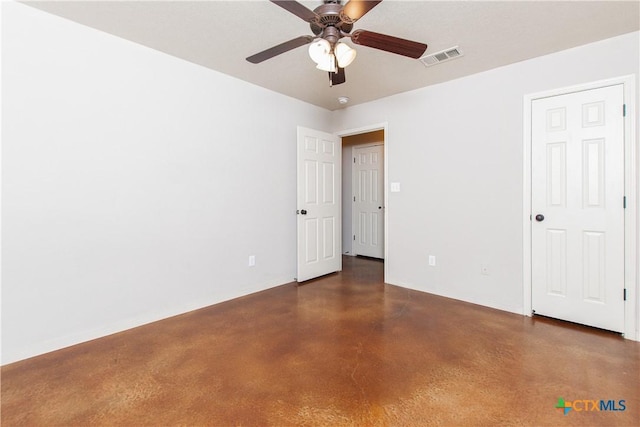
x,y
442,56
343,99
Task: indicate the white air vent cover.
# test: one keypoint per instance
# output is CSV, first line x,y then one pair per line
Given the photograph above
x,y
442,56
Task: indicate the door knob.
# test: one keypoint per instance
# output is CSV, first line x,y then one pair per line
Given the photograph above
x,y
539,217
303,212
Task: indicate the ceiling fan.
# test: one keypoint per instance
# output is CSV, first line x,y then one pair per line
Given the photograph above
x,y
330,22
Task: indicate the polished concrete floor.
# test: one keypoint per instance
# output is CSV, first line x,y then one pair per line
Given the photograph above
x,y
342,350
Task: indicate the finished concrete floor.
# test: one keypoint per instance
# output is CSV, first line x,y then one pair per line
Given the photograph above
x,y
343,350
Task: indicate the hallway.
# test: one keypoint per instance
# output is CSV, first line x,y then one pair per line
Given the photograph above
x,y
345,349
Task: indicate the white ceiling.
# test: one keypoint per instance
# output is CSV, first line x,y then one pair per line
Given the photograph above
x,y
221,34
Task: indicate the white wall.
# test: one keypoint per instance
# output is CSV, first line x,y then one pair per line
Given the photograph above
x,y
457,150
135,185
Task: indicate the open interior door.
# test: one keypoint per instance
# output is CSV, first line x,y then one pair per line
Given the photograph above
x,y
319,211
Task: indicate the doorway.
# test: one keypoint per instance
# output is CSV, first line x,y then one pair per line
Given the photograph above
x,y
321,196
363,213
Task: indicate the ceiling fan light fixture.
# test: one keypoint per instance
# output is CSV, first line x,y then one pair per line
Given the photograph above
x,y
345,54
319,50
328,63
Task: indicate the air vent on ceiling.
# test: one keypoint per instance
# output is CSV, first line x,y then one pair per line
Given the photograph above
x,y
442,56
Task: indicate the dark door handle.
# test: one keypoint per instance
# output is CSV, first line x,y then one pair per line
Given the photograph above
x,y
379,207
539,217
303,212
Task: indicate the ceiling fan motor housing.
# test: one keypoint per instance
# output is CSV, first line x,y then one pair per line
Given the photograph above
x,y
330,17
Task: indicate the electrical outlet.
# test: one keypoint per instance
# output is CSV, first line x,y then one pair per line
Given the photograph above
x,y
432,260
252,260
484,269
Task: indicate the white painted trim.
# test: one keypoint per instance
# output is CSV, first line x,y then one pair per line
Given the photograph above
x,y
526,206
632,304
385,127
364,129
367,144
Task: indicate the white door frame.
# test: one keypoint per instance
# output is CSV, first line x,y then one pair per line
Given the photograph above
x,y
631,262
371,128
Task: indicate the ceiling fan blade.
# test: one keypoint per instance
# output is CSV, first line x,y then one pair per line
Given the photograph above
x,y
337,78
389,43
281,48
356,9
297,9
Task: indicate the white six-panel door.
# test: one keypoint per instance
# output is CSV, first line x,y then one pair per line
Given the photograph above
x,y
319,216
577,239
368,203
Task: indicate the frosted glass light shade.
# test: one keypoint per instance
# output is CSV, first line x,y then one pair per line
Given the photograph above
x,y
319,50
344,54
328,63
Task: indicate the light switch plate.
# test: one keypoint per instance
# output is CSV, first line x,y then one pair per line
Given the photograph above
x,y
395,187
